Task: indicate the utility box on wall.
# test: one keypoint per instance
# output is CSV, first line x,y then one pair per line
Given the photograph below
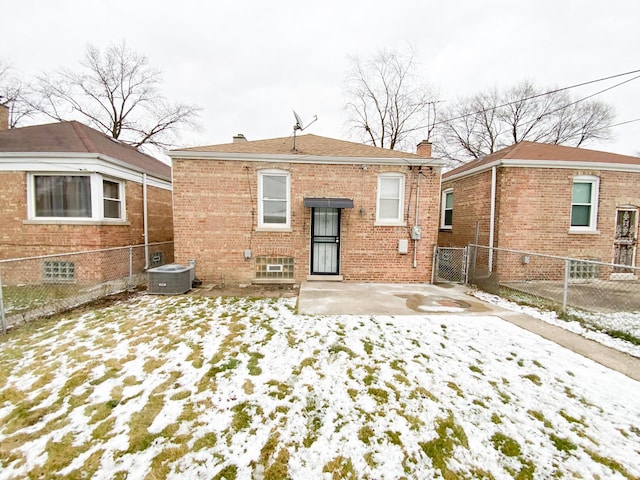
x,y
169,279
403,246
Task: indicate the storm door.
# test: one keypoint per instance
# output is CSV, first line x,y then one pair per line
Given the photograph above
x,y
325,241
625,240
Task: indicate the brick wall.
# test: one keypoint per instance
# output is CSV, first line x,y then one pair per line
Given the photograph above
x,y
216,208
533,211
18,239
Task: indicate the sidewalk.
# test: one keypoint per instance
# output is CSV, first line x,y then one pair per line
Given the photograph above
x,y
342,298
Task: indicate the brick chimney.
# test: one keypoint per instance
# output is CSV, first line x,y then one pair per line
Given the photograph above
x,y
4,117
424,149
239,138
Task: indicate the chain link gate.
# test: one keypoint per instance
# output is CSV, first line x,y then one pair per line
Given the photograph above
x,y
451,265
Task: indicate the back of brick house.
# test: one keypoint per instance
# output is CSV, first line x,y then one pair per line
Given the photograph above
x,y
68,188
264,212
547,199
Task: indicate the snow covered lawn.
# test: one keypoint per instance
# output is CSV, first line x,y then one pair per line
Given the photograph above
x,y
193,387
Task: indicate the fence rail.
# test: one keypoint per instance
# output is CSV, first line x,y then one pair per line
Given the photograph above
x,y
581,283
39,286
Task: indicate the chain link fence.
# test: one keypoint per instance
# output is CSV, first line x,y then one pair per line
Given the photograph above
x,y
40,286
555,282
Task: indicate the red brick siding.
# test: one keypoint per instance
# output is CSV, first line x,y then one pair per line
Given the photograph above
x,y
215,220
533,210
18,239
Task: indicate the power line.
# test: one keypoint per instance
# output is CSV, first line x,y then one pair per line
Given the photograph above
x,y
549,93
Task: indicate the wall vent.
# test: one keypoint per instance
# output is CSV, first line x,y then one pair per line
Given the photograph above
x,y
274,268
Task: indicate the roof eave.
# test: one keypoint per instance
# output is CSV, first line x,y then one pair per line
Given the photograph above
x,y
301,158
79,156
559,164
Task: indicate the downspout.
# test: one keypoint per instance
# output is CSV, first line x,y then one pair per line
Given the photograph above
x,y
145,221
492,217
417,220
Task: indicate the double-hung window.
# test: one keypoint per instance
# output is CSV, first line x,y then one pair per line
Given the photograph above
x,y
446,219
85,197
390,199
584,203
273,199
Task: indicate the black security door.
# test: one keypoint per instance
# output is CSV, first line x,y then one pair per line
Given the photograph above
x,y
325,241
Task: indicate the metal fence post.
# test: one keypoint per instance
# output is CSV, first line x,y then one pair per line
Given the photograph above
x,y
130,269
565,293
2,317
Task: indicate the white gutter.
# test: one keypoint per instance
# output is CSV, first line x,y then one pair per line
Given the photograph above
x,y
145,221
492,216
417,221
301,158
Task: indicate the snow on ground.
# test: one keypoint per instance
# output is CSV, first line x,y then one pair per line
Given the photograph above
x,y
594,327
192,387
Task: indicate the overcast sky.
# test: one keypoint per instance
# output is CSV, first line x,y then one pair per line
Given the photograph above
x,y
248,63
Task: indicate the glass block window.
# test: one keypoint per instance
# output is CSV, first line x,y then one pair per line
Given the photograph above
x,y
274,268
583,270
64,272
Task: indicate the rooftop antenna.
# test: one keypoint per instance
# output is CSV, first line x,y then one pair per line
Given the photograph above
x,y
300,126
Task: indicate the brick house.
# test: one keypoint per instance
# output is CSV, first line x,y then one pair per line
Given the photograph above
x,y
285,210
68,188
547,199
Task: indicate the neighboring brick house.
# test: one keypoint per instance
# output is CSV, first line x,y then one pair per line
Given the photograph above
x,y
67,188
547,199
271,211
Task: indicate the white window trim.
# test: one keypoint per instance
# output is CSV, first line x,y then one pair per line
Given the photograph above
x,y
399,221
595,195
443,209
274,226
97,200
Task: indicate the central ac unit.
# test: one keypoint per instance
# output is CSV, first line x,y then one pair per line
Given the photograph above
x,y
169,279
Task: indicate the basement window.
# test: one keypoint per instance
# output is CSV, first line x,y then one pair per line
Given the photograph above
x,y
580,270
274,268
58,272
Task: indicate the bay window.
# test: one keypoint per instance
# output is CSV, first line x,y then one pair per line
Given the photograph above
x,y
63,197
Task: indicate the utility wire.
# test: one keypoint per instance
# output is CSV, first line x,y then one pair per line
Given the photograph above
x,y
550,93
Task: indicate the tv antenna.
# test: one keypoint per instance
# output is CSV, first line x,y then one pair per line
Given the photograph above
x,y
300,126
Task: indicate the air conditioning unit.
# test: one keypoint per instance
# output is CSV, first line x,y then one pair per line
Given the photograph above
x,y
170,279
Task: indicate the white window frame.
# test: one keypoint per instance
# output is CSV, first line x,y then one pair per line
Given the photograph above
x,y
443,210
119,200
273,226
593,217
97,199
398,220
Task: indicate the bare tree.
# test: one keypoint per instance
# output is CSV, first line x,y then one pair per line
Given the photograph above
x,y
484,123
14,94
117,92
385,102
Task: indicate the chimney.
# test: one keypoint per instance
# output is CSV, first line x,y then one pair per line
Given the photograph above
x,y
4,117
239,138
424,149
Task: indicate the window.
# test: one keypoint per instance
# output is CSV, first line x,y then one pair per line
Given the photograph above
x,y
583,270
75,197
54,272
273,205
63,196
274,267
446,220
584,203
390,199
111,202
